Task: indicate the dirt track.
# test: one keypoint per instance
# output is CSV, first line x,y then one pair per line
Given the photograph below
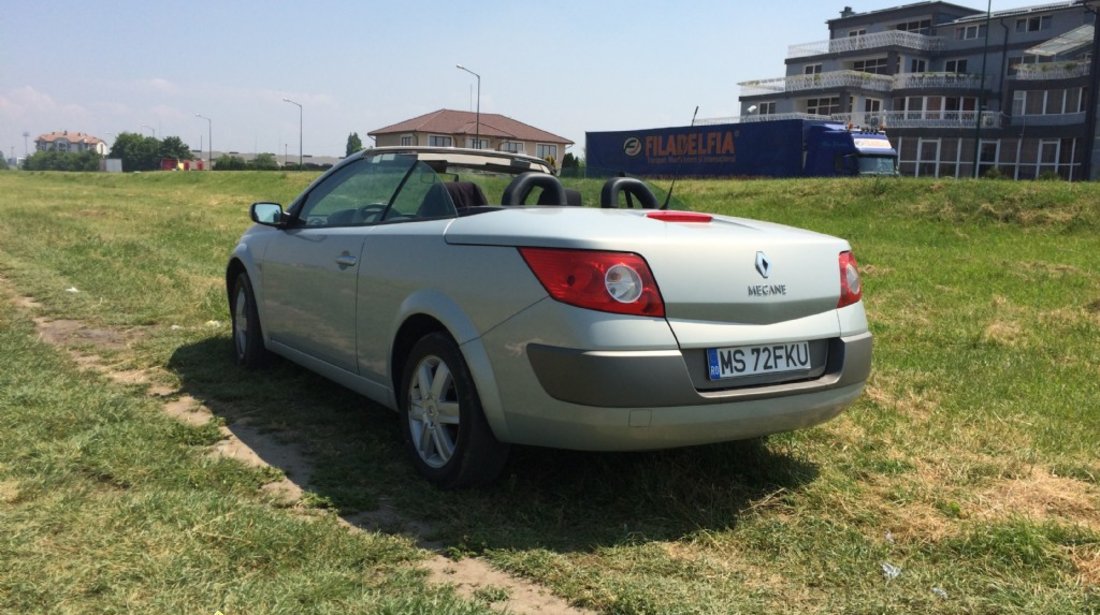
x,y
253,447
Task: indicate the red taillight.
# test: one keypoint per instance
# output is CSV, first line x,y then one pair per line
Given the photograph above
x,y
618,282
851,289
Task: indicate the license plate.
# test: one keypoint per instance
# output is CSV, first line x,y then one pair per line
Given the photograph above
x,y
755,360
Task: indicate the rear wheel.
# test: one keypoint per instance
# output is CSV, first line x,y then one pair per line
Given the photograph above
x,y
248,339
446,433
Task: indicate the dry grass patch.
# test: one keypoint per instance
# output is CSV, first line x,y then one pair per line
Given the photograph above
x,y
1041,496
1003,333
722,561
9,491
886,391
1087,562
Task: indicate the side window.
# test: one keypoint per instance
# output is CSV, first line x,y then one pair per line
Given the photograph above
x,y
422,196
356,194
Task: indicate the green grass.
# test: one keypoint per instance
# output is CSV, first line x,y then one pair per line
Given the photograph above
x,y
970,463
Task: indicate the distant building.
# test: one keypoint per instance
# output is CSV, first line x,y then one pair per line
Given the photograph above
x,y
449,128
1024,99
65,141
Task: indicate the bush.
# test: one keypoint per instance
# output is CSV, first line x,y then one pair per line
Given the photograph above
x,y
62,161
226,162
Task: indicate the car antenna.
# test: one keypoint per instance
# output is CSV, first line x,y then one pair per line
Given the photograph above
x,y
668,197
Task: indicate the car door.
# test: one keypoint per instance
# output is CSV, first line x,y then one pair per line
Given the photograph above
x,y
310,272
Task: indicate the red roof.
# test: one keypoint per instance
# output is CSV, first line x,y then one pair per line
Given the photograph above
x,y
71,137
451,122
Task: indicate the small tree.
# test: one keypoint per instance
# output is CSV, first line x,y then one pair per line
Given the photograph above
x,y
174,147
137,152
354,144
265,162
3,164
570,165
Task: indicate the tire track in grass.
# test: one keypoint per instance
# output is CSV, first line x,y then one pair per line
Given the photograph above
x,y
471,578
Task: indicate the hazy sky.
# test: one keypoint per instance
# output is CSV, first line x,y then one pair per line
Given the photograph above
x,y
105,67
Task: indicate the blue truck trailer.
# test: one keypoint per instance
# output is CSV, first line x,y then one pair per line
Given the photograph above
x,y
780,148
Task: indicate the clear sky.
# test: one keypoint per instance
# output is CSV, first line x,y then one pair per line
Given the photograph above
x,y
109,66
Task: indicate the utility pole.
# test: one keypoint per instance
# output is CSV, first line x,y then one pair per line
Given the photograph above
x,y
299,130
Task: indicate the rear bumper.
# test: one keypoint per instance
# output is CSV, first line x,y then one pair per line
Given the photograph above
x,y
647,379
646,400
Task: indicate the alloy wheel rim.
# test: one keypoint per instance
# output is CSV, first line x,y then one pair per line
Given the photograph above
x,y
433,411
240,322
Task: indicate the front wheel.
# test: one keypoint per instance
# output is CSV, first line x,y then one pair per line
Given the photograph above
x,y
446,433
248,338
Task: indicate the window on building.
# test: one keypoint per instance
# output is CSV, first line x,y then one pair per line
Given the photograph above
x,y
766,108
514,147
1033,24
1075,99
872,105
545,151
407,140
928,157
987,156
823,106
1056,101
878,66
965,33
1048,102
440,141
811,69
859,32
1035,102
954,66
923,26
473,143
917,65
1019,99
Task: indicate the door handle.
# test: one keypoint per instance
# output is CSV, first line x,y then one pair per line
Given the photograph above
x,y
346,260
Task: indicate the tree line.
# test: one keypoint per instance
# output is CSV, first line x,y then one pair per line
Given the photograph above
x,y
141,153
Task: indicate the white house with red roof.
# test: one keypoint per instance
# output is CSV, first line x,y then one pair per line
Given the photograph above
x,y
450,128
65,141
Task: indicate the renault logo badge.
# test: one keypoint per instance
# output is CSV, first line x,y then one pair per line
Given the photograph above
x,y
763,265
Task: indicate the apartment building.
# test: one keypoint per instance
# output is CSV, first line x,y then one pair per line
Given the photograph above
x,y
65,141
1011,89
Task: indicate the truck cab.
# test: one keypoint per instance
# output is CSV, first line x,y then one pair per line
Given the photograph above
x,y
835,149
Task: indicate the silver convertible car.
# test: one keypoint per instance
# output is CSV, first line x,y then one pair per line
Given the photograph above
x,y
592,319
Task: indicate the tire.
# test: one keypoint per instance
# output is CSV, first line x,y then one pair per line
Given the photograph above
x,y
248,337
445,430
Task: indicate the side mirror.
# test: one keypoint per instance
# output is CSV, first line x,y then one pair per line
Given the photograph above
x,y
270,214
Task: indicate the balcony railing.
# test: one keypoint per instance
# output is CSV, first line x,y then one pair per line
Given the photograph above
x,y
891,38
757,117
1051,70
1060,119
922,119
821,81
939,81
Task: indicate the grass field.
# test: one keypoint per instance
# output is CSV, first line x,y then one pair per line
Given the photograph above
x,y
969,467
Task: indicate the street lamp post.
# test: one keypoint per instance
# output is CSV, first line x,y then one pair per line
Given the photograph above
x,y
151,129
209,140
477,129
299,130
